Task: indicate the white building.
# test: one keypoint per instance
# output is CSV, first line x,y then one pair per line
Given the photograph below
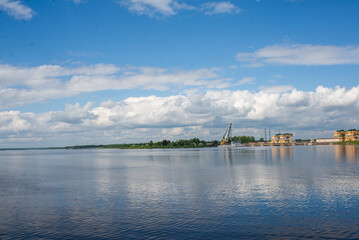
x,y
326,140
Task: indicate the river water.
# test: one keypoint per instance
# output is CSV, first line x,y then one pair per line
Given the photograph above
x,y
212,193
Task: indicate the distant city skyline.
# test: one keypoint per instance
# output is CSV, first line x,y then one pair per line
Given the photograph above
x,y
76,72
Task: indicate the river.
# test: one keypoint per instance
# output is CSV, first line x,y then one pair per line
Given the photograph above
x,y
210,193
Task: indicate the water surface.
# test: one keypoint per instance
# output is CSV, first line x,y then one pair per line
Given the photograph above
x,y
233,193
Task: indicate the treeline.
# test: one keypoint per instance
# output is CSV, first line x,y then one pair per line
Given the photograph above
x,y
243,139
191,143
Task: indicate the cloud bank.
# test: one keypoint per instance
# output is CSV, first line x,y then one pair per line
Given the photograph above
x,y
21,85
301,54
194,115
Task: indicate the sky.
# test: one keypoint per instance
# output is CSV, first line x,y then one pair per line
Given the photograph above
x,y
76,72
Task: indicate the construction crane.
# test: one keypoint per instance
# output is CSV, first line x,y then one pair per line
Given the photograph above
x,y
227,136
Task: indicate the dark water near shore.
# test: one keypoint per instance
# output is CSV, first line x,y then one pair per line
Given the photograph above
x,y
239,193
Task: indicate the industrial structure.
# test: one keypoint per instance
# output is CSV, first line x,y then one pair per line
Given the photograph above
x,y
350,135
226,139
285,139
282,138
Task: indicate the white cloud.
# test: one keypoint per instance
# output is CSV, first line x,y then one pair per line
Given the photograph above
x,y
21,85
282,105
74,114
210,8
195,115
152,7
171,7
146,112
183,6
247,80
14,121
172,131
301,54
16,9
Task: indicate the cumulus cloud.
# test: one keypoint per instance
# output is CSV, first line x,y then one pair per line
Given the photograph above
x,y
21,85
16,9
301,54
74,114
211,8
14,121
194,115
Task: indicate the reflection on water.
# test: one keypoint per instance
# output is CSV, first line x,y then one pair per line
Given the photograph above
x,y
238,155
227,155
226,193
349,153
282,153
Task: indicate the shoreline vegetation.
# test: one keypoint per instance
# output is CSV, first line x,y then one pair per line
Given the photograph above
x,y
191,143
347,143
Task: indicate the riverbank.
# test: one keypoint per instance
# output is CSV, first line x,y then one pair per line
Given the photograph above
x,y
347,143
191,143
302,143
166,144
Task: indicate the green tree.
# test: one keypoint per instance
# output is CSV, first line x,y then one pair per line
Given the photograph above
x,y
243,139
165,142
195,140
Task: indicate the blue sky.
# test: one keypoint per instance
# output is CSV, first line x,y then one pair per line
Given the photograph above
x,y
92,72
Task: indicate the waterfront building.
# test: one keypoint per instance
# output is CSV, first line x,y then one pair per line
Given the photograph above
x,y
326,141
282,138
350,135
339,134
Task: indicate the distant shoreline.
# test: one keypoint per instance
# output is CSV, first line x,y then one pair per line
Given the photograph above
x,y
143,146
347,143
98,147
191,143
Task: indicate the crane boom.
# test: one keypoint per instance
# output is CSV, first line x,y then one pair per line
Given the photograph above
x,y
227,135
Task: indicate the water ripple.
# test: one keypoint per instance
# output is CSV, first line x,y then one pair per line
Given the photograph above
x,y
250,193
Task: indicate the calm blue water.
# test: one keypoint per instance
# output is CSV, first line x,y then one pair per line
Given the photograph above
x,y
239,193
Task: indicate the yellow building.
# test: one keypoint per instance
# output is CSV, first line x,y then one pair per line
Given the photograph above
x,y
282,138
339,134
351,135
